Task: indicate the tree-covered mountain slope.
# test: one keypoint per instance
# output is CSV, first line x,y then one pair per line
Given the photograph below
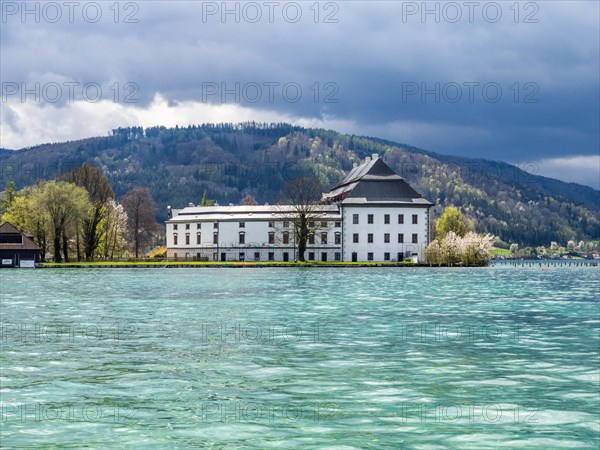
x,y
229,161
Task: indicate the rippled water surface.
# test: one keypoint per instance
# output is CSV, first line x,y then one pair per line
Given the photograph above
x,y
498,357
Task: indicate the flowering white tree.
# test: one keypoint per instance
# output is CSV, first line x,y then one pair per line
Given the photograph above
x,y
452,247
472,249
114,229
433,252
476,248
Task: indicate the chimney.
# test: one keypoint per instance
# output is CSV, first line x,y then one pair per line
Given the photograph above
x,y
191,205
374,156
367,159
354,166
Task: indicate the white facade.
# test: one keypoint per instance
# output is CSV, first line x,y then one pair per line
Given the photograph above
x,y
384,233
250,233
373,215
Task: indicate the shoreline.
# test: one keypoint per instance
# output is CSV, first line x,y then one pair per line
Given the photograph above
x,y
311,264
215,264
264,265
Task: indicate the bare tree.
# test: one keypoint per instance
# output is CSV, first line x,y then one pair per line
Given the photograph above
x,y
141,216
304,213
248,200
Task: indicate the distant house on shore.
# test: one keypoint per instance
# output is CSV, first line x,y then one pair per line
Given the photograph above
x,y
372,215
17,249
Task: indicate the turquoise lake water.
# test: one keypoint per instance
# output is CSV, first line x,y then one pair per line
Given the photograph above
x,y
497,357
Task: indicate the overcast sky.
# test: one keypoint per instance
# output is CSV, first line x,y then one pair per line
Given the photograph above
x,y
511,81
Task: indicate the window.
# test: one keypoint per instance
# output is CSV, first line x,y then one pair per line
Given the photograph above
x,y
415,238
256,256
400,219
187,239
271,238
198,256
338,224
323,238
175,255
286,224
338,238
175,239
242,256
187,226
415,219
286,238
370,218
370,238
400,238
215,238
311,256
271,256
311,224
355,219
216,225
386,238
386,219
174,226
338,256
311,239
198,238
271,224
386,256
198,226
355,238
370,256
242,238
324,256
324,224
242,224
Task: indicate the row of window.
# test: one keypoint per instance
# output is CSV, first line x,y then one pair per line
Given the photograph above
x,y
199,226
386,238
271,256
242,238
386,256
323,224
386,219
285,223
286,256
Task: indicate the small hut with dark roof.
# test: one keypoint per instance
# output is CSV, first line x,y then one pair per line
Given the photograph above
x,y
17,249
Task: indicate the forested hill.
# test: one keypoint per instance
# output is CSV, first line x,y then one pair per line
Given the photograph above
x,y
229,161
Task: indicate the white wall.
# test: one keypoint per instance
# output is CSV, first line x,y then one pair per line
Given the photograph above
x,y
257,237
256,240
379,229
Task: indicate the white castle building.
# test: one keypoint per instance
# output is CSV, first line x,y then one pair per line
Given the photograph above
x,y
372,215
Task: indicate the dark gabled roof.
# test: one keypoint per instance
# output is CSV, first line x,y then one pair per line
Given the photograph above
x,y
374,181
385,190
372,167
26,242
8,228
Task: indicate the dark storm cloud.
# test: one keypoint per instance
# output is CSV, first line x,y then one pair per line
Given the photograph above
x,y
523,86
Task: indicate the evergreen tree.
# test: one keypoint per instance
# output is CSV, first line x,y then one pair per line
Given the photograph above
x,y
205,201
